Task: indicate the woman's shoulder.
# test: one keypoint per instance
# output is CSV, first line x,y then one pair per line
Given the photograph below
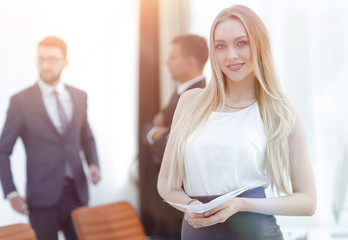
x,y
190,94
186,98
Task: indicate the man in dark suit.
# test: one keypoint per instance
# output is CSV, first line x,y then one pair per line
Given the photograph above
x,y
188,55
51,119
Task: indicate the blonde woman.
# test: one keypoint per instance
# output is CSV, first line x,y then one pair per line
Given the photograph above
x,y
239,131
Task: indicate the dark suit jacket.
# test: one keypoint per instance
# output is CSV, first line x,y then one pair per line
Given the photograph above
x,y
46,149
157,149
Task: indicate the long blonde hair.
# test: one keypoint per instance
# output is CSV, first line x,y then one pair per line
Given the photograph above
x,y
276,111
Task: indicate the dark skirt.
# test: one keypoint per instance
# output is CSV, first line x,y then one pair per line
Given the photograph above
x,y
240,226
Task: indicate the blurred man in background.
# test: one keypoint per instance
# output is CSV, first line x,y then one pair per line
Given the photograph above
x,y
186,61
51,119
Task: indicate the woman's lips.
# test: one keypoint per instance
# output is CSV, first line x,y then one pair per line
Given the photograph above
x,y
235,67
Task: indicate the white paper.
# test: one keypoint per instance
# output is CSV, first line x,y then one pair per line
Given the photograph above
x,y
201,208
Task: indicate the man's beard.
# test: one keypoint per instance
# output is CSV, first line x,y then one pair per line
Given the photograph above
x,y
48,77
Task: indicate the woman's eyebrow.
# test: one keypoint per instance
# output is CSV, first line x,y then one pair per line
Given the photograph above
x,y
238,38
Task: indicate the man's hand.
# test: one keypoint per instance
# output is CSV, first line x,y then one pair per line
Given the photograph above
x,y
158,120
19,204
159,133
94,173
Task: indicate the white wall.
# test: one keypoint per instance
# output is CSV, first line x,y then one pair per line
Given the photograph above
x,y
310,47
102,39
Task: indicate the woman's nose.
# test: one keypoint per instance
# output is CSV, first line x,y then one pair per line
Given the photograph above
x,y
232,53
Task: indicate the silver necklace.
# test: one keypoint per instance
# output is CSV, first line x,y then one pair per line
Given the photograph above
x,y
232,107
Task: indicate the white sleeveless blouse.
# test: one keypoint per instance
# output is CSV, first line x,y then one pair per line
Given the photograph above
x,y
226,153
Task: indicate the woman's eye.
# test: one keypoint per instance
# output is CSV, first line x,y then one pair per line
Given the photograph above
x,y
242,43
220,46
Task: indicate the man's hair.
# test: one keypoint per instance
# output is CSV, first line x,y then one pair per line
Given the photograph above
x,y
52,41
195,46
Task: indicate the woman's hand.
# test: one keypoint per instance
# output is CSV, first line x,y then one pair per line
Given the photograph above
x,y
216,215
192,217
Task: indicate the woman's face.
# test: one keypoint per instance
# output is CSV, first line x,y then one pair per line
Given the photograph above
x,y
232,49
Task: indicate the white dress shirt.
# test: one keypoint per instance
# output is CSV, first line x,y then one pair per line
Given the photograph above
x,y
183,87
51,104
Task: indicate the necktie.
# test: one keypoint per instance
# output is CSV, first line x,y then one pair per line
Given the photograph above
x,y
61,113
64,123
